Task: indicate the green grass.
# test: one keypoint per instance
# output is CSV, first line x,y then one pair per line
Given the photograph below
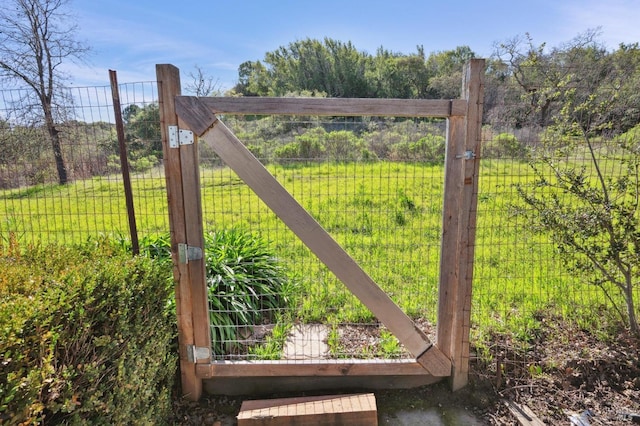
x,y
386,215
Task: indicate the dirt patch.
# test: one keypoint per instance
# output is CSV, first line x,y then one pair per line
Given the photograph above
x,y
565,370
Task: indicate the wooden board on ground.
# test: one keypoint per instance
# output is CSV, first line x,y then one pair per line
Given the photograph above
x,y
355,409
525,416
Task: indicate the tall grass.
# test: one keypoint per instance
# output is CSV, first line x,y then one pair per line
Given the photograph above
x,y
386,215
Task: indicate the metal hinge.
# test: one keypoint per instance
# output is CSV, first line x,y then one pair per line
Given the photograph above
x,y
187,253
468,155
179,137
195,353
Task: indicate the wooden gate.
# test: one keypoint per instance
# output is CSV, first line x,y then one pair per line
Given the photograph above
x,y
185,119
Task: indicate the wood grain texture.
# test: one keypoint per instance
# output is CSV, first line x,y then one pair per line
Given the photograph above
x,y
473,90
194,114
316,368
168,77
337,106
354,410
194,237
449,257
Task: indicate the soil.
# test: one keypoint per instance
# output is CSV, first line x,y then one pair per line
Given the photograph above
x,y
565,371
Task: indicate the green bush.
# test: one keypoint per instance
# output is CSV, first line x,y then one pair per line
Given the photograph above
x,y
247,284
85,336
504,145
308,146
344,145
428,148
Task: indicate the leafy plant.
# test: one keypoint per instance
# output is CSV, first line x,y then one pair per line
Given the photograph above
x,y
504,145
591,211
247,284
85,337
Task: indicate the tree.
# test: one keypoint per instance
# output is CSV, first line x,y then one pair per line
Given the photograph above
x,y
446,71
35,40
394,75
202,84
590,206
534,72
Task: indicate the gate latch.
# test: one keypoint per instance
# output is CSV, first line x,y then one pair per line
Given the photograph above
x,y
187,253
195,353
468,155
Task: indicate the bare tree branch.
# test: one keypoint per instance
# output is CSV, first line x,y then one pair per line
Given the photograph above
x,y
36,37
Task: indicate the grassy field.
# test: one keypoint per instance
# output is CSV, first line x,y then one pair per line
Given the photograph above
x,y
387,215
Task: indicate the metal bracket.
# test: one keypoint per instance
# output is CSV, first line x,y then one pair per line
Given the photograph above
x,y
179,137
195,353
468,155
187,253
186,137
173,136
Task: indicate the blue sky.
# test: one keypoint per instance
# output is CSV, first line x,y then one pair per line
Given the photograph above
x,y
132,36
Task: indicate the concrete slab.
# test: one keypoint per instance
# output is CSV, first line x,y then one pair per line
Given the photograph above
x,y
307,341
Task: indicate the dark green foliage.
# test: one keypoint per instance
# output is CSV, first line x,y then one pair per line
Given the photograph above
x,y
85,336
142,136
339,70
247,284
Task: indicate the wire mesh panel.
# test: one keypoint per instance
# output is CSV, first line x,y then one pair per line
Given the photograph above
x,y
376,186
35,207
555,189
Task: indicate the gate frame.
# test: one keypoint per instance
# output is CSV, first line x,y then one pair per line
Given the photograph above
x,y
182,116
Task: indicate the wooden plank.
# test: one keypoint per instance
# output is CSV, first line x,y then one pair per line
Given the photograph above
x,y
435,361
192,201
449,257
274,195
168,78
523,414
270,385
355,409
473,91
317,368
336,106
195,114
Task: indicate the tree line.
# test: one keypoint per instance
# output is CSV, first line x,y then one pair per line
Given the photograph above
x,y
526,83
334,68
527,86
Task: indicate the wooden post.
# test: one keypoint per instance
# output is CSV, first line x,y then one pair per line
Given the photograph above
x,y
183,195
459,225
124,162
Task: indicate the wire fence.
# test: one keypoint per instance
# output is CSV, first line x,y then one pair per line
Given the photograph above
x,y
375,184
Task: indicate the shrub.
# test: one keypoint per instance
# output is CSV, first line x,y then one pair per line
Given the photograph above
x,y
427,148
344,145
247,284
85,336
308,146
504,145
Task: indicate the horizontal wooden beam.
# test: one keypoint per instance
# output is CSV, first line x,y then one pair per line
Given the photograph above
x,y
325,368
334,106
